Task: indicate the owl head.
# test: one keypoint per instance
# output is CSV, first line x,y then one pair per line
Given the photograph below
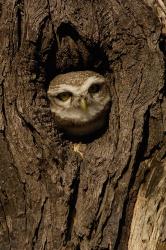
x,y
79,101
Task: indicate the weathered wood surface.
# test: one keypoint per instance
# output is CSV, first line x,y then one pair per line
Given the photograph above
x,y
112,195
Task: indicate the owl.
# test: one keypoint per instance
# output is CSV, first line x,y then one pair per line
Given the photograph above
x,y
80,102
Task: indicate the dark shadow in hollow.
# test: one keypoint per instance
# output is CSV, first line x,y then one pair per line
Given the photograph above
x,y
96,59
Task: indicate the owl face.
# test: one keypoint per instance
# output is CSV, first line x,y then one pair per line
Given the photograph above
x,y
79,101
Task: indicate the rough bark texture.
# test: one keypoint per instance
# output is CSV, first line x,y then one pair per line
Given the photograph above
x,y
110,192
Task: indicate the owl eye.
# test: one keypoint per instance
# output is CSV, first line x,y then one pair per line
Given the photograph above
x,y
64,96
95,88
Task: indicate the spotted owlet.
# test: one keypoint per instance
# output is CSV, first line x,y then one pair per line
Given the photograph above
x,y
79,101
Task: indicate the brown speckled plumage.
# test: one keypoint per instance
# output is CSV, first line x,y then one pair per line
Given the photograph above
x,y
69,114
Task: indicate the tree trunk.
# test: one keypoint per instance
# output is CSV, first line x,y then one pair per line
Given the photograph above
x,y
107,192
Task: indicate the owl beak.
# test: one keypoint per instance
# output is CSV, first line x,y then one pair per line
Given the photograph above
x,y
83,104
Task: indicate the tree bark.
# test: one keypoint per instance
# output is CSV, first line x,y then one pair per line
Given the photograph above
x,y
107,192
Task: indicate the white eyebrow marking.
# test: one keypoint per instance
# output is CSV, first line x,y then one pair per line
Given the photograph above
x,y
92,79
75,89
63,88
